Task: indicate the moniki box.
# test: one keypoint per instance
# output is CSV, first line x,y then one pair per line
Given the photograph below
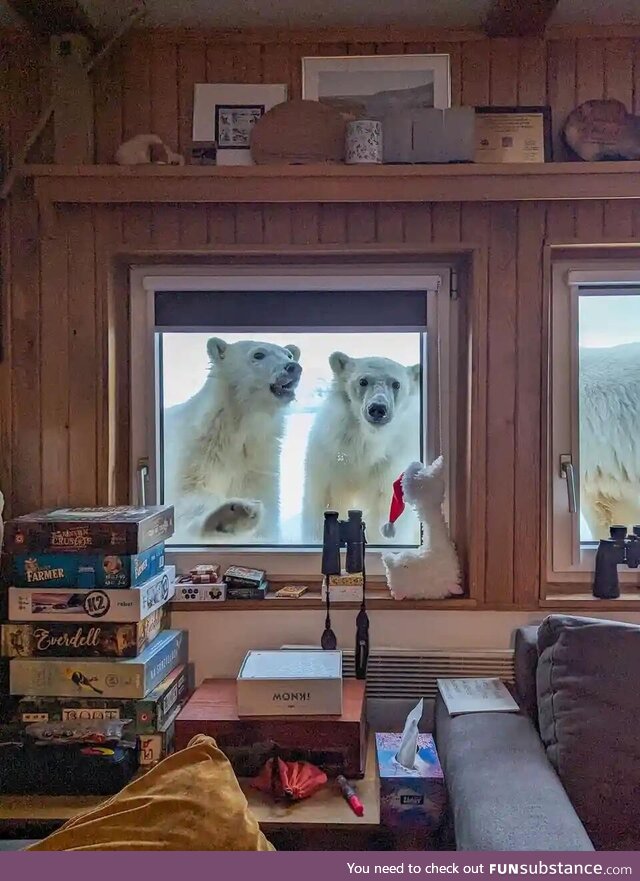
x,y
116,530
81,640
148,714
345,588
86,570
61,604
187,591
410,798
430,135
290,683
125,678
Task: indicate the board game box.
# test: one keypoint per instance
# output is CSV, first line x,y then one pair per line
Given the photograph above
x,y
125,678
152,748
118,530
60,604
149,714
86,570
76,640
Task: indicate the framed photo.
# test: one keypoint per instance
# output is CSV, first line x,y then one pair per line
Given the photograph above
x,y
226,113
370,86
513,134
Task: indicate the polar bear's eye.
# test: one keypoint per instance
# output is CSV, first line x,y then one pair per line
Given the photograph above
x,y
395,385
258,356
364,383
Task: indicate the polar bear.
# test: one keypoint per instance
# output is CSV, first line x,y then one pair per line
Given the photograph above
x,y
222,446
362,438
609,394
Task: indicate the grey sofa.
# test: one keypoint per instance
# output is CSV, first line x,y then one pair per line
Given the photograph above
x,y
512,788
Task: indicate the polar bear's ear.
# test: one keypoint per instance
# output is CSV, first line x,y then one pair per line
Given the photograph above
x,y
339,362
415,372
295,351
216,349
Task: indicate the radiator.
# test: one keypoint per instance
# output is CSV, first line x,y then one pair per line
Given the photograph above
x,y
393,673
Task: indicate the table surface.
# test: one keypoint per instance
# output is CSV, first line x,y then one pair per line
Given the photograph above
x,y
327,808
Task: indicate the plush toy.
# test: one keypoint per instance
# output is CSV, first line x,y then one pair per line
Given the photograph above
x,y
431,571
147,150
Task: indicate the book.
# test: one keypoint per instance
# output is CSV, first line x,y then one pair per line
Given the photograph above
x,y
476,696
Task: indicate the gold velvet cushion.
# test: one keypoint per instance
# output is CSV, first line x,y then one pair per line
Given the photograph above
x,y
190,801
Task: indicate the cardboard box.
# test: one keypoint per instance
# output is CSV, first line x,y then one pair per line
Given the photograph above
x,y
187,591
338,744
118,530
77,640
342,593
290,683
410,799
157,746
60,604
127,678
429,135
86,570
148,714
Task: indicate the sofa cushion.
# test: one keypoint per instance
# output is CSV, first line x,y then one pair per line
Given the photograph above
x,y
588,709
525,663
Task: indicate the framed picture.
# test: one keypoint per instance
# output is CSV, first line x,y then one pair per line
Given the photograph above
x,y
226,113
513,134
370,86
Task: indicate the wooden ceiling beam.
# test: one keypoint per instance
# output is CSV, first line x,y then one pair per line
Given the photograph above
x,y
518,18
49,17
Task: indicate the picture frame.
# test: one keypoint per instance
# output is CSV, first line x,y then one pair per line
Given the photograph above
x,y
226,113
369,86
513,134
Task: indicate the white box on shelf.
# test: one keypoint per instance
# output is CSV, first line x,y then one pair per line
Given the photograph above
x,y
290,683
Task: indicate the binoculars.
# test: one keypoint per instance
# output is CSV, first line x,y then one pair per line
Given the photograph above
x,y
347,533
619,549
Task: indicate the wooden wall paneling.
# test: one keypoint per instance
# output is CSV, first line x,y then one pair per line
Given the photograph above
x,y
532,73
361,223
5,305
357,48
529,373
618,71
136,119
117,283
277,225
475,74
298,51
191,66
389,222
454,51
305,227
25,294
54,366
446,222
418,222
475,229
635,64
276,64
503,78
589,70
221,224
165,220
590,221
561,222
108,100
84,369
618,220
503,282
249,224
561,89
390,48
332,222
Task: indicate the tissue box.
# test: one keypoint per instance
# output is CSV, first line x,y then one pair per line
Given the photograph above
x,y
410,799
430,135
290,683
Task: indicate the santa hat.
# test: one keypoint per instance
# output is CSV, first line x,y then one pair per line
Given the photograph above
x,y
396,508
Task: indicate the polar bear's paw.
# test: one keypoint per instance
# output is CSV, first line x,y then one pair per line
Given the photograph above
x,y
234,517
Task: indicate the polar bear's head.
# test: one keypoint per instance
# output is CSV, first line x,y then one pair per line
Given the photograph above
x,y
376,389
255,372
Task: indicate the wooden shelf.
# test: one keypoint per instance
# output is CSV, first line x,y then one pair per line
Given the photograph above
x,y
113,184
377,600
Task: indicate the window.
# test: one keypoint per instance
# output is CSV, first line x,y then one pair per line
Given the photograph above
x,y
261,398
595,401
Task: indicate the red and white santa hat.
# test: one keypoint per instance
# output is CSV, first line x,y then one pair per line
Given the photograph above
x,y
396,508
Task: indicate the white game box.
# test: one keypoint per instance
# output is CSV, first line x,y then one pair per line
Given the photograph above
x,y
290,683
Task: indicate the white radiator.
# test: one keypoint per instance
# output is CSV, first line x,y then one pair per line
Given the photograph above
x,y
393,673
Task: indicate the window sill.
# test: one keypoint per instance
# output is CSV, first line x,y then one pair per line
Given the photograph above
x,y
313,602
577,598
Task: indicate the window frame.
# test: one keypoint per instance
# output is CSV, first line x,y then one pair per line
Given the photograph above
x,y
439,415
567,560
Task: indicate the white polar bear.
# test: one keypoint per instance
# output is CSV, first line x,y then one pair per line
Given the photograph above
x,y
222,446
610,437
364,434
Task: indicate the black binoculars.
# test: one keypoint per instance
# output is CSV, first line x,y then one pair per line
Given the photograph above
x,y
338,533
619,549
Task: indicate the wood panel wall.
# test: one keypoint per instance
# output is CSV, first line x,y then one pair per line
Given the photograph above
x,y
61,317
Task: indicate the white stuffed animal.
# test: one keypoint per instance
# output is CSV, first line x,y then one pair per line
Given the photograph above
x,y
431,571
147,150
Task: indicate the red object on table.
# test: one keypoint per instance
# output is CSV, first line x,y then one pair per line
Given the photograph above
x,y
290,780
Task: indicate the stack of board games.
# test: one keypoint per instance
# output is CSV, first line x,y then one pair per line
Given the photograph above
x,y
246,584
86,596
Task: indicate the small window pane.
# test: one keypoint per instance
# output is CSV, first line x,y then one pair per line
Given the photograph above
x,y
609,411
261,432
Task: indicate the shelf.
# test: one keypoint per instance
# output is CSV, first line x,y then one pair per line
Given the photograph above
x,y
376,601
114,184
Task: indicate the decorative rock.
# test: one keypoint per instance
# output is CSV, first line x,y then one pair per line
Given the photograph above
x,y
598,130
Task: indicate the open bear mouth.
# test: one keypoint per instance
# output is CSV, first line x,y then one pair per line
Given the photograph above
x,y
285,388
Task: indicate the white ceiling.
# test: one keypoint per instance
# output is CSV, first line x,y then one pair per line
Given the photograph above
x,y
106,14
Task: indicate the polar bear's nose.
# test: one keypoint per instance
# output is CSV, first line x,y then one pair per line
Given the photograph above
x,y
377,411
294,368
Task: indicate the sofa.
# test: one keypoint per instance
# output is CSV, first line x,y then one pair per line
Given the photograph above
x,y
562,774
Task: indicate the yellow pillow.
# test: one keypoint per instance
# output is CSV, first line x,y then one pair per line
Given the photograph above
x,y
190,801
